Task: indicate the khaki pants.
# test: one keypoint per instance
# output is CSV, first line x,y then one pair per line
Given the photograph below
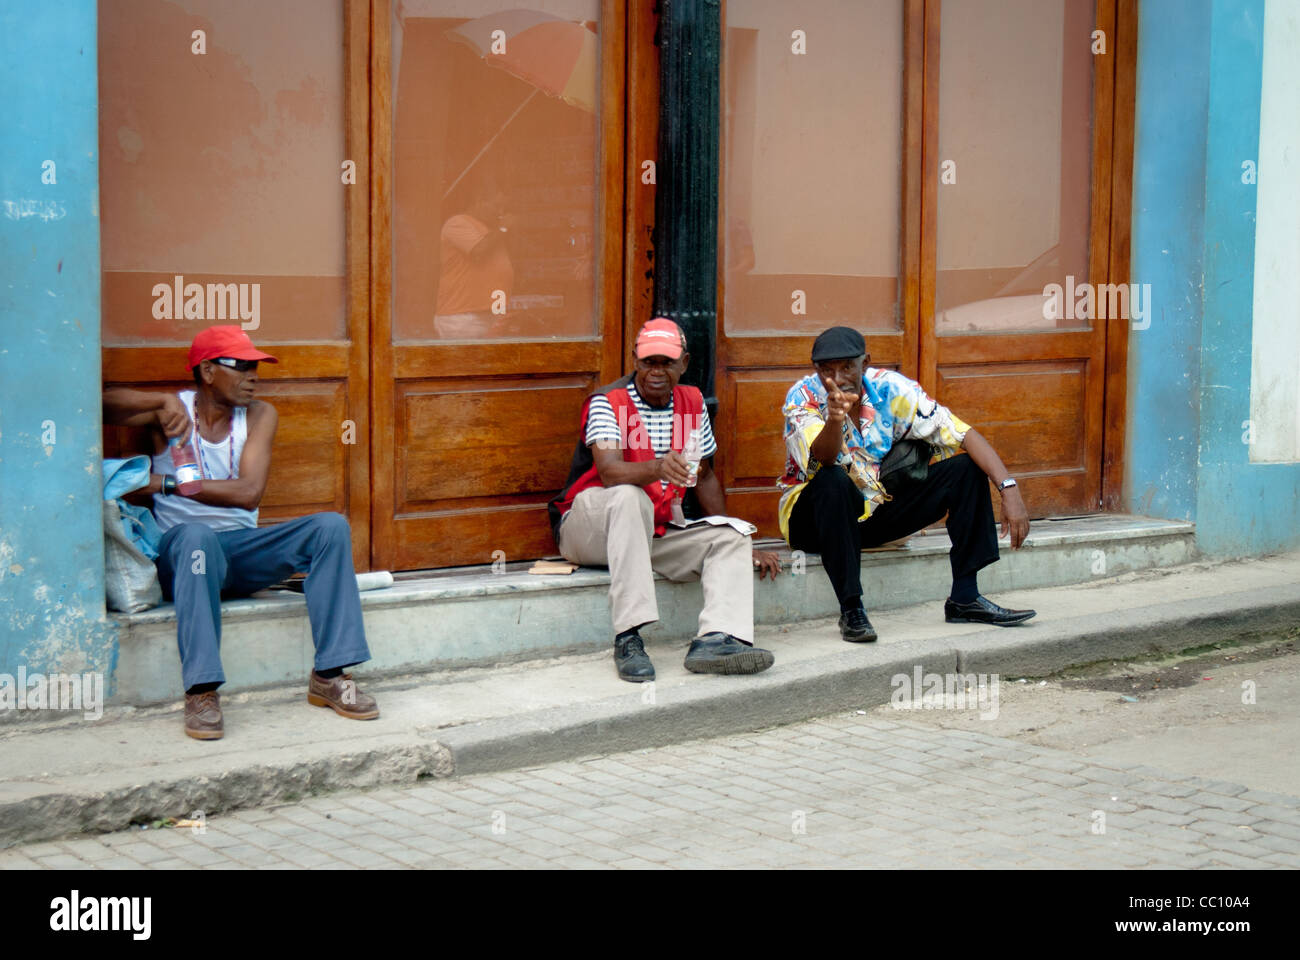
x,y
614,527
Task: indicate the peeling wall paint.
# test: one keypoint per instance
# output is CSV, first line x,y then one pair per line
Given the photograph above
x,y
1168,199
1200,67
51,542
1243,507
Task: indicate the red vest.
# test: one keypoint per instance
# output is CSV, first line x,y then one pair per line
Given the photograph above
x,y
688,411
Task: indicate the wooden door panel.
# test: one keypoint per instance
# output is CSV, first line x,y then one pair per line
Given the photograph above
x,y
886,349
309,459
754,453
1030,412
411,361
464,443
1014,348
1056,494
470,537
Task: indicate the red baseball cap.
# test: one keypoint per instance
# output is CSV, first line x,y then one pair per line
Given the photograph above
x,y
660,338
224,341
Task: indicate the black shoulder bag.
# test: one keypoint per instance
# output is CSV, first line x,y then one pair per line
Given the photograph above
x,y
906,464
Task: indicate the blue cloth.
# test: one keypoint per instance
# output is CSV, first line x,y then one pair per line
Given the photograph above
x,y
138,523
197,564
123,476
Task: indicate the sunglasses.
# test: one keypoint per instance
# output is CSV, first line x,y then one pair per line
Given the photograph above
x,y
242,366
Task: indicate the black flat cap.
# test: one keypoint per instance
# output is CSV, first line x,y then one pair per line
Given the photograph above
x,y
837,343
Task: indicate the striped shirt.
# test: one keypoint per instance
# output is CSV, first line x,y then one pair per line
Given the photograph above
x,y
602,425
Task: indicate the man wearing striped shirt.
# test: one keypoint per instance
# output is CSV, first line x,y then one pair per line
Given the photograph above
x,y
646,439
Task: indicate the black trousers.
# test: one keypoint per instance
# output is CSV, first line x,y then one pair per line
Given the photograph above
x,y
825,520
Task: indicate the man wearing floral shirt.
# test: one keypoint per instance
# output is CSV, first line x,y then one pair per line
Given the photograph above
x,y
840,422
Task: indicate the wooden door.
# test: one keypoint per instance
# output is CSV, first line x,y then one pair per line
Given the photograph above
x,y
923,171
481,366
1017,181
819,214
225,163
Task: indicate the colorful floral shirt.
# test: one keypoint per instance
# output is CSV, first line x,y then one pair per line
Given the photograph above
x,y
893,408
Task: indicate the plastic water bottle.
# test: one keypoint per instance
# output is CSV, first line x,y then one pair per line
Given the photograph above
x,y
691,451
188,479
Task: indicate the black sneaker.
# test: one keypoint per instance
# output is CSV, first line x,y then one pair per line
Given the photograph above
x,y
856,628
722,653
631,660
983,610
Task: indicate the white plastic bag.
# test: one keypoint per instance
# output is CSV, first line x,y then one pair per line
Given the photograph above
x,y
130,578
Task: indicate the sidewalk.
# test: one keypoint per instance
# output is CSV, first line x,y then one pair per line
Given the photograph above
x,y
69,775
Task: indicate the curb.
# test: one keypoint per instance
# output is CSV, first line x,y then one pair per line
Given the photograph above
x,y
45,816
854,678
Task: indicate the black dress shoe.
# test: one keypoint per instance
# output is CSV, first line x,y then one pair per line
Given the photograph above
x,y
630,658
856,628
722,653
983,610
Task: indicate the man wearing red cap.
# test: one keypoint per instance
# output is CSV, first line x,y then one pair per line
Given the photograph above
x,y
211,542
616,510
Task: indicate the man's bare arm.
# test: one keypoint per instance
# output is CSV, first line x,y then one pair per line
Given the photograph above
x,y
708,490
164,412
1015,517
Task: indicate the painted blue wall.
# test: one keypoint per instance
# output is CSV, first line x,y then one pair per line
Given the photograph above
x,y
1242,507
51,540
1197,119
1173,80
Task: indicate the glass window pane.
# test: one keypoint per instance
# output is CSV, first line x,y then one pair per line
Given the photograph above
x,y
220,170
495,177
1015,151
812,165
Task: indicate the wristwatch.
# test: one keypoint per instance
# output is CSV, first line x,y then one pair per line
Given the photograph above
x,y
1008,482
168,485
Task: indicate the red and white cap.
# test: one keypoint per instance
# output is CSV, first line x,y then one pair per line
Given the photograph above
x,y
229,340
660,338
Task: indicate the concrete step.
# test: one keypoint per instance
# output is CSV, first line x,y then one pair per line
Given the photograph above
x,y
60,776
472,616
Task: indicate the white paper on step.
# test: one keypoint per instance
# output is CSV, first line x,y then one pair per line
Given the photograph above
x,y
375,580
743,527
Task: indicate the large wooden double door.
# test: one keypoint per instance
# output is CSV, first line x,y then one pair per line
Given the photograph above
x,y
350,151
925,171
916,170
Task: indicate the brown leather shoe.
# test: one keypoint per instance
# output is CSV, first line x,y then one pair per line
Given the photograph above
x,y
342,695
203,716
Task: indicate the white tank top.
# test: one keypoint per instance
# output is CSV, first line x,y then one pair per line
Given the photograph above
x,y
217,461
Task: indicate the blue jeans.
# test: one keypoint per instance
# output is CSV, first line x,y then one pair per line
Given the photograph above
x,y
240,562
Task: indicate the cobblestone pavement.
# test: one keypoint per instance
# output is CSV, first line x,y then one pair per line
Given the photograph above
x,y
843,791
